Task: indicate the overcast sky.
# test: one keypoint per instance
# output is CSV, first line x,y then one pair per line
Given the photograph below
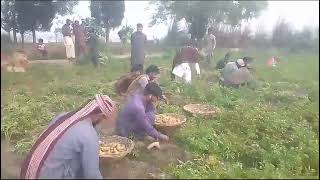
x,y
298,13
135,12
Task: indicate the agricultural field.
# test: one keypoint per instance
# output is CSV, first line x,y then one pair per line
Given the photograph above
x,y
267,130
57,50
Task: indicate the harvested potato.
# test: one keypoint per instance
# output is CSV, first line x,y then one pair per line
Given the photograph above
x,y
112,148
200,108
167,119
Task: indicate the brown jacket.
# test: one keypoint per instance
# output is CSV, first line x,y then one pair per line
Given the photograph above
x,y
124,82
186,54
136,86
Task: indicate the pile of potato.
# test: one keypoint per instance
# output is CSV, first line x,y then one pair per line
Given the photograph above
x,y
200,109
112,149
164,119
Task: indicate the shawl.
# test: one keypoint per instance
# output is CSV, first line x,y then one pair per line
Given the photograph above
x,y
47,140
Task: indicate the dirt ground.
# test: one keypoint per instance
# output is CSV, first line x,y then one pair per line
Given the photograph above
x,y
10,162
53,61
148,165
140,163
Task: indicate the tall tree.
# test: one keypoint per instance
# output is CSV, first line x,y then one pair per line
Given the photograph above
x,y
203,13
38,15
8,18
109,14
91,24
124,35
56,31
281,34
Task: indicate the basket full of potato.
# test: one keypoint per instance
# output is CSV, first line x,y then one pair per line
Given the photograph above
x,y
115,147
168,122
202,109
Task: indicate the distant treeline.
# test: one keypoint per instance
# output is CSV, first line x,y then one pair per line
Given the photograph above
x,y
283,36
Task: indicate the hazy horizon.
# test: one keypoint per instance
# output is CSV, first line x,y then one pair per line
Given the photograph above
x,y
299,14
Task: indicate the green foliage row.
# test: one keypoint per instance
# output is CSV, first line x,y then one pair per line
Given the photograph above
x,y
268,132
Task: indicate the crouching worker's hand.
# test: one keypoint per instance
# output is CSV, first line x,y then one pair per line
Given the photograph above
x,y
166,100
164,137
154,144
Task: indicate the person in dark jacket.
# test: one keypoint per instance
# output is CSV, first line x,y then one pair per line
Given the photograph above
x,y
138,43
93,47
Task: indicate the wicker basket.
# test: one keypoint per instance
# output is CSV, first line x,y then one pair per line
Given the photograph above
x,y
166,128
209,110
129,145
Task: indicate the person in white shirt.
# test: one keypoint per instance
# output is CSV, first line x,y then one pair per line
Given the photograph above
x,y
41,47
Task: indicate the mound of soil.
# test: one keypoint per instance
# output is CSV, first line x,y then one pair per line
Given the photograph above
x,y
10,162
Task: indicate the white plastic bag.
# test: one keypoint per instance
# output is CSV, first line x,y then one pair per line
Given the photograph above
x,y
196,65
183,71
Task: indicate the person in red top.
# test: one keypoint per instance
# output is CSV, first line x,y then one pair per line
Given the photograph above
x,y
272,62
80,38
188,54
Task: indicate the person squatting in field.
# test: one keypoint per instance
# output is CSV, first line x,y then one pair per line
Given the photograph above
x,y
222,62
69,147
122,84
138,115
236,73
42,48
138,84
185,56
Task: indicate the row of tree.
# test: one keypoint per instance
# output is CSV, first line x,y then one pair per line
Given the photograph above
x,y
227,19
108,14
284,36
202,14
24,16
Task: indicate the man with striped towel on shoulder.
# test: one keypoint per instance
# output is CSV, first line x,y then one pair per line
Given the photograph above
x,y
69,147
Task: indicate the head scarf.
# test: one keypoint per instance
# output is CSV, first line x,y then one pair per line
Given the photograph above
x,y
47,140
240,62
